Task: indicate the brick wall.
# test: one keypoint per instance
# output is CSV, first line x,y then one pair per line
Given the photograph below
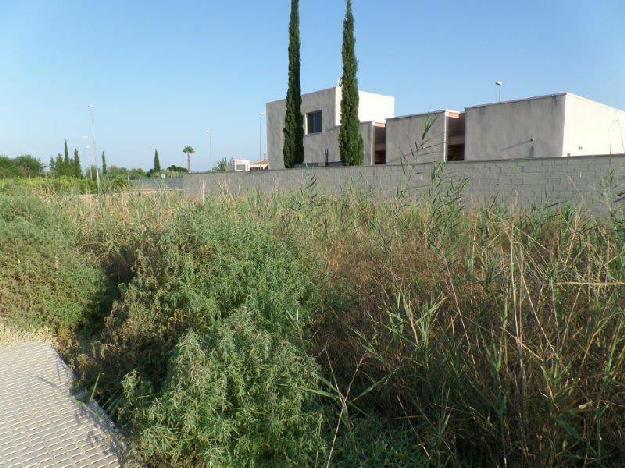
x,y
521,182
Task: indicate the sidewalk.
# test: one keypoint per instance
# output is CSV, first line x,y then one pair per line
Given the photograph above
x,y
41,423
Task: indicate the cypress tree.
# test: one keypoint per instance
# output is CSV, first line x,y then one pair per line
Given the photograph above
x,y
293,151
76,170
52,166
157,162
66,158
104,168
350,141
59,167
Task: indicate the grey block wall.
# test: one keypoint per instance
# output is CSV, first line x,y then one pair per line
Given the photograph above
x,y
157,184
589,180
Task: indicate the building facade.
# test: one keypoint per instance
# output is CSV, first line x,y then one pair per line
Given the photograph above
x,y
558,125
322,120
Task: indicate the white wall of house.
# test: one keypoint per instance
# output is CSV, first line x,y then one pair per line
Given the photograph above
x,y
316,145
529,128
558,125
406,142
591,128
324,100
373,107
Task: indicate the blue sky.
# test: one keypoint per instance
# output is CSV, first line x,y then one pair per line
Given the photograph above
x,y
162,73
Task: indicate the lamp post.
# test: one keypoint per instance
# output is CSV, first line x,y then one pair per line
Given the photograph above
x,y
499,86
260,136
85,146
91,108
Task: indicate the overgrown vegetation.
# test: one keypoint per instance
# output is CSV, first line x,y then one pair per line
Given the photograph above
x,y
305,330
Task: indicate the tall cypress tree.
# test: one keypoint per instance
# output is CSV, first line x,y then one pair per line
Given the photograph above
x,y
293,151
66,158
350,141
157,162
104,167
59,166
77,171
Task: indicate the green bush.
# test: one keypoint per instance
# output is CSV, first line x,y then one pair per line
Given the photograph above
x,y
235,396
47,186
22,166
191,275
44,278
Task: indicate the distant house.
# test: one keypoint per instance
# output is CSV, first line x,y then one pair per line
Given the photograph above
x,y
246,165
557,125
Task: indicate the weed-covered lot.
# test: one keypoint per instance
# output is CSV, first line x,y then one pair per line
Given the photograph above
x,y
305,330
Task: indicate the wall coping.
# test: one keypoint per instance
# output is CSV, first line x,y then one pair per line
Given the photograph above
x,y
451,163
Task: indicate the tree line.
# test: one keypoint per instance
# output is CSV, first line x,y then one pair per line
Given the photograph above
x,y
351,146
68,164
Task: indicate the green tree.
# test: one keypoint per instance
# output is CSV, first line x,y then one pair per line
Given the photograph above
x,y
157,163
7,167
174,168
76,169
28,166
66,158
188,150
350,141
293,151
59,166
104,168
221,166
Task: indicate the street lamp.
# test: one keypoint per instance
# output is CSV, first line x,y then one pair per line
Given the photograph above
x,y
91,108
499,86
85,146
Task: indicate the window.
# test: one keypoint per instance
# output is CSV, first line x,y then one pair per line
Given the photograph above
x,y
313,122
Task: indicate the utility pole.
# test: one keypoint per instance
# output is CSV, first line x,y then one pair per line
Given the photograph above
x,y
260,136
85,147
91,108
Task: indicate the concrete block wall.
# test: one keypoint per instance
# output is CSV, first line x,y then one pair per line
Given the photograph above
x,y
519,182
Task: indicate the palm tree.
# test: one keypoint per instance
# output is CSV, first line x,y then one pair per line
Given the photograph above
x,y
188,150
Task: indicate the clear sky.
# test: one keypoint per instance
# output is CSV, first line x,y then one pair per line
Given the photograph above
x,y
162,73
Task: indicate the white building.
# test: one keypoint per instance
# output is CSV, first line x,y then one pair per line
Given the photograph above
x,y
558,125
322,118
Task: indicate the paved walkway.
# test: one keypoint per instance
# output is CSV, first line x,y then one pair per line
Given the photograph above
x,y
41,423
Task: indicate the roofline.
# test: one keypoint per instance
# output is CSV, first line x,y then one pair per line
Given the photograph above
x,y
513,101
376,94
330,89
594,102
424,114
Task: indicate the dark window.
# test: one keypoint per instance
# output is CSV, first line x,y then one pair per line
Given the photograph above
x,y
313,122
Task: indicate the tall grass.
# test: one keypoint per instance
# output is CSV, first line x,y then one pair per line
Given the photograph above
x,y
310,330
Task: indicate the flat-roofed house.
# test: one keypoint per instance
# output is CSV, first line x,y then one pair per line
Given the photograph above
x,y
558,125
322,120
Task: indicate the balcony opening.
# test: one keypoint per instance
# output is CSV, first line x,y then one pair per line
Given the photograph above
x,y
379,143
455,136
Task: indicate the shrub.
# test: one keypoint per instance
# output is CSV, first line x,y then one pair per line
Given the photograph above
x,y
192,275
236,396
47,186
45,281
